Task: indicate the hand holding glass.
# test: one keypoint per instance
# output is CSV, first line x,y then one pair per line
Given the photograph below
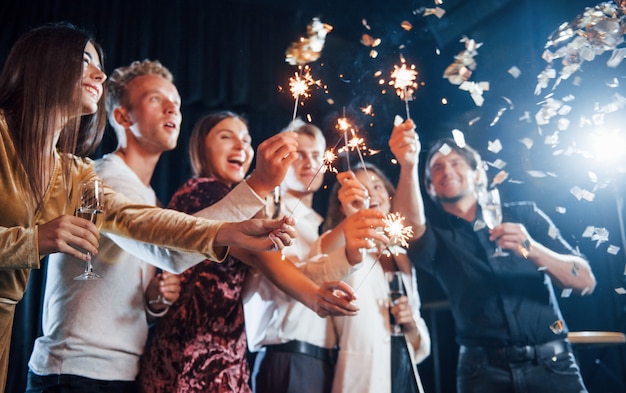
x,y
396,290
91,208
492,213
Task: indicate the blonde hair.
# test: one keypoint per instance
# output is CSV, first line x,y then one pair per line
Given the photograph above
x,y
117,87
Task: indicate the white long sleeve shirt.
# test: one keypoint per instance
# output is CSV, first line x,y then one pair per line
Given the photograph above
x,y
272,317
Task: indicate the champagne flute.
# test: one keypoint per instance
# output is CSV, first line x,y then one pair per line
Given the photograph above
x,y
273,203
491,207
91,208
396,290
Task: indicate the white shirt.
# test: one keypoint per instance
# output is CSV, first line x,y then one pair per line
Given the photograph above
x,y
364,361
97,329
272,317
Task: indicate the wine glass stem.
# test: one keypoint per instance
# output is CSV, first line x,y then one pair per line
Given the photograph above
x,y
89,266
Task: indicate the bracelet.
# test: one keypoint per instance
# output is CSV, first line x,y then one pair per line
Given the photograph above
x,y
525,248
157,314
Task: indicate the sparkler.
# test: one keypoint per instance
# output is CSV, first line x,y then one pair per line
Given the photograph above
x,y
398,235
344,125
329,159
356,143
299,86
301,52
396,231
403,79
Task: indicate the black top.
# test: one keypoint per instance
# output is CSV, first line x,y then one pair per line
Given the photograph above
x,y
495,301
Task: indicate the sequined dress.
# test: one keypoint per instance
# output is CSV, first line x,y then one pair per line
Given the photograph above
x,y
200,344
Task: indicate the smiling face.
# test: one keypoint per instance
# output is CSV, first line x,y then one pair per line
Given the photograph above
x,y
452,178
153,114
229,151
92,80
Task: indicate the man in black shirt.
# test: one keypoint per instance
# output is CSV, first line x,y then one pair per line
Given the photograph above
x,y
509,327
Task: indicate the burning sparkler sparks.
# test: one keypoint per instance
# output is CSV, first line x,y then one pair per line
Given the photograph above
x,y
329,159
403,79
299,86
396,231
398,235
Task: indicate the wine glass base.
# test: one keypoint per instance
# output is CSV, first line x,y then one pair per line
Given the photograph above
x,y
88,277
500,254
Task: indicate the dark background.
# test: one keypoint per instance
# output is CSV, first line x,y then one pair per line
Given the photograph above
x,y
230,55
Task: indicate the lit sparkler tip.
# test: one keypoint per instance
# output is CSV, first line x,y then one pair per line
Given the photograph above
x,y
329,159
343,124
403,79
396,231
299,84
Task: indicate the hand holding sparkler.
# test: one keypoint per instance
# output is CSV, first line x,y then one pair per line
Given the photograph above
x,y
405,144
274,156
403,79
360,233
352,194
335,298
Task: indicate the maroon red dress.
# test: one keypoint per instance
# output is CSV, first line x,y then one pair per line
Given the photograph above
x,y
200,344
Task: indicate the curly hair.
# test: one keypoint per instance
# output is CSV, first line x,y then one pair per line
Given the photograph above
x,y
117,86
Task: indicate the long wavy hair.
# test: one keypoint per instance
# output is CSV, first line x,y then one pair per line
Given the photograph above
x,y
39,89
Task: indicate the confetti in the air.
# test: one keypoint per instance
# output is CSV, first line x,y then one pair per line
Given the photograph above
x,y
308,49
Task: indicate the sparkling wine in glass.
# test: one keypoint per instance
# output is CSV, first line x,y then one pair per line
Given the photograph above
x,y
492,213
91,208
396,290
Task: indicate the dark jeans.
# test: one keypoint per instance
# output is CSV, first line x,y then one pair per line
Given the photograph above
x,y
283,372
403,380
65,383
479,371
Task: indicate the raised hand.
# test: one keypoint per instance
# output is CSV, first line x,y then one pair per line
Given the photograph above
x,y
405,144
69,235
274,156
335,298
352,194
